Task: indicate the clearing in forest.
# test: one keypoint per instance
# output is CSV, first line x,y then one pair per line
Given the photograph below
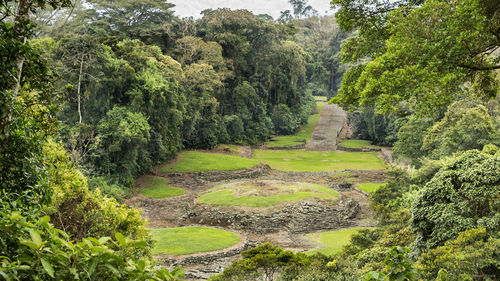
x,y
332,242
264,193
370,187
195,161
357,144
157,187
304,133
192,239
319,161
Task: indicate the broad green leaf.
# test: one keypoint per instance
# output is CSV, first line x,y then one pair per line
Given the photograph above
x,y
104,239
120,238
48,267
35,237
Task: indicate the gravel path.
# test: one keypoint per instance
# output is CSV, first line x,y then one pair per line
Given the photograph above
x,y
330,123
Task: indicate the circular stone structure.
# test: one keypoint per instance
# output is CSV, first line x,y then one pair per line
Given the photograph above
x,y
191,240
264,193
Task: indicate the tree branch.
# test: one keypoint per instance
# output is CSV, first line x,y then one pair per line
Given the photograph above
x,y
480,68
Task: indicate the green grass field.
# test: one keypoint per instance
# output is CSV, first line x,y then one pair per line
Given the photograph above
x,y
304,133
265,195
370,187
194,161
332,241
228,147
320,98
157,187
357,143
190,240
319,161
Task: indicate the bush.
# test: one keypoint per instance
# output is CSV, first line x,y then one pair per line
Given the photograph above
x,y
463,194
83,213
283,120
473,255
35,250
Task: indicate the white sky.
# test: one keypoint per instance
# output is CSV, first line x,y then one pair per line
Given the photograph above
x,y
186,8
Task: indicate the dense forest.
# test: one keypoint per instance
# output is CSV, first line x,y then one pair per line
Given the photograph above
x,y
94,94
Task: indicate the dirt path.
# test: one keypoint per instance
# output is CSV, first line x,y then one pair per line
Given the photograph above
x,y
330,123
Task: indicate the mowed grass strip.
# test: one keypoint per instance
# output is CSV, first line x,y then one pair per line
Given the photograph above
x,y
320,98
190,240
357,143
319,161
332,241
195,161
304,133
157,187
251,198
370,187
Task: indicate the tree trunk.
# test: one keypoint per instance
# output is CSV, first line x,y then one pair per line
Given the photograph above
x,y
78,90
23,15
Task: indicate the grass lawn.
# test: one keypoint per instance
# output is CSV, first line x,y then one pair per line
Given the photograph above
x,y
228,148
320,98
332,241
157,187
194,161
304,133
190,240
319,161
369,187
267,193
357,143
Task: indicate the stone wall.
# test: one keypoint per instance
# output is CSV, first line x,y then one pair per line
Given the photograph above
x,y
295,218
210,257
218,176
357,149
291,147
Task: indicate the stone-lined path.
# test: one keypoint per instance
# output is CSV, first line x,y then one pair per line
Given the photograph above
x,y
330,123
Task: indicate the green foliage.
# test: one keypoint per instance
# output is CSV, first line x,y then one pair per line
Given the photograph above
x,y
410,138
398,266
189,240
27,107
265,261
461,128
298,160
122,133
473,255
80,212
425,52
194,161
284,122
304,133
398,181
462,195
35,250
157,187
368,125
253,196
321,38
148,20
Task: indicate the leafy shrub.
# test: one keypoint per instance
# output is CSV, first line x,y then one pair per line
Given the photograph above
x,y
462,128
473,255
35,250
83,213
283,120
463,194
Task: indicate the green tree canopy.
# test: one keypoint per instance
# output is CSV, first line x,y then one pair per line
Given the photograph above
x,y
462,195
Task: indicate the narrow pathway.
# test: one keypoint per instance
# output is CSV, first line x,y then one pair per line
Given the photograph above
x,y
324,136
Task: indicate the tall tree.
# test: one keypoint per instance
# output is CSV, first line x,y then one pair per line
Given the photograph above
x,y
430,52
